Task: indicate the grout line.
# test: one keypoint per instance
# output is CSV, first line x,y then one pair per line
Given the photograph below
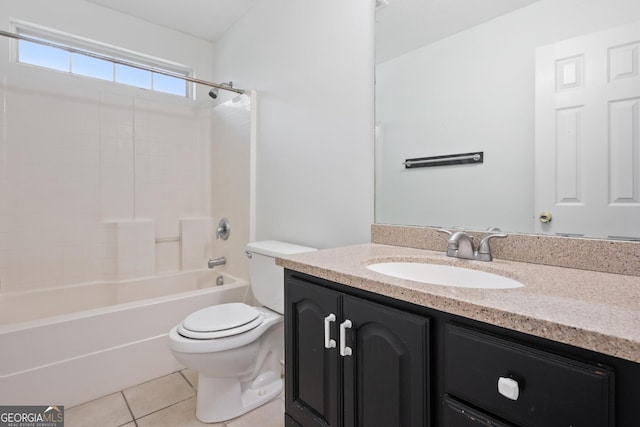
x,y
163,408
152,379
133,418
187,380
160,409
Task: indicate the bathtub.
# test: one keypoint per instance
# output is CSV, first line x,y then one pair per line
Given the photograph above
x,y
69,345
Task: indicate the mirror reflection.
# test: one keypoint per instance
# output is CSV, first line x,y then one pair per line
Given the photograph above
x,y
548,91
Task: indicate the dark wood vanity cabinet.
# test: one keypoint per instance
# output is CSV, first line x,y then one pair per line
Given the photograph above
x,y
412,366
352,362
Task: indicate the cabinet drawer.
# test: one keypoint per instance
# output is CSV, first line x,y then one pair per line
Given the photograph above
x,y
457,414
544,389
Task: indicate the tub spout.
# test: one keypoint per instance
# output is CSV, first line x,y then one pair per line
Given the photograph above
x,y
217,261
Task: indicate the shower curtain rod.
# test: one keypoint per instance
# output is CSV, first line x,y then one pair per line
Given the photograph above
x,y
120,61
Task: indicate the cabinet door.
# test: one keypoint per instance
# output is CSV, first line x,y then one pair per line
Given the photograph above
x,y
386,376
312,375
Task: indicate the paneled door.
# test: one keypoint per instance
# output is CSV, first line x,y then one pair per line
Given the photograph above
x,y
312,375
587,154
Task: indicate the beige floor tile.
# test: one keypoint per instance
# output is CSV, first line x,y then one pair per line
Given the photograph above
x,y
191,376
158,394
108,411
268,415
181,414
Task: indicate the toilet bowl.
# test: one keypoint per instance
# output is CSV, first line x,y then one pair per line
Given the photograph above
x,y
237,372
237,348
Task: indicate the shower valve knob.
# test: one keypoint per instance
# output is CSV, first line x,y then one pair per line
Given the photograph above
x,y
224,228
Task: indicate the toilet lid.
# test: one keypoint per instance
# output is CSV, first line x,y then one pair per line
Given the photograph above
x,y
221,320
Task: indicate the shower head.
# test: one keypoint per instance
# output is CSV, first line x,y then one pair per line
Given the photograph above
x,y
213,93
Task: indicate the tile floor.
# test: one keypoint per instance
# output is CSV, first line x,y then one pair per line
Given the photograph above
x,y
167,401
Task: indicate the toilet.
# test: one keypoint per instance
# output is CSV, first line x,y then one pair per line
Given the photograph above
x,y
237,348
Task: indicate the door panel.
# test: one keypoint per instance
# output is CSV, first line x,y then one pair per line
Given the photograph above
x,y
389,354
313,399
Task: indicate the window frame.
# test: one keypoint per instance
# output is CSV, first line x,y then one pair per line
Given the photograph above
x,y
103,49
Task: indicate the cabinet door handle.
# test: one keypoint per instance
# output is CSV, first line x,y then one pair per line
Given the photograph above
x,y
344,349
508,387
328,342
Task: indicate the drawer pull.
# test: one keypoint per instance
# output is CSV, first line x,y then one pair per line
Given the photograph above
x,y
344,349
508,387
328,342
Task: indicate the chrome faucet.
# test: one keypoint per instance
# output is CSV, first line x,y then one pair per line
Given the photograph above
x,y
460,245
217,261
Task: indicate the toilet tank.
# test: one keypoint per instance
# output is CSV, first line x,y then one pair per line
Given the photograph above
x,y
267,279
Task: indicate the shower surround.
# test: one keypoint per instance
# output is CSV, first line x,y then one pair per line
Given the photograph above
x,y
100,186
103,185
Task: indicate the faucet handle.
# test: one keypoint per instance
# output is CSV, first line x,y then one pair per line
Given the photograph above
x,y
443,230
452,247
484,250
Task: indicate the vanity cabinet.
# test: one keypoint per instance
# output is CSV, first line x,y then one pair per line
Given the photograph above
x,y
352,362
414,366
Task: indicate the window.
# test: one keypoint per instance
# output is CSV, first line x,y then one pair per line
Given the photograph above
x,y
85,58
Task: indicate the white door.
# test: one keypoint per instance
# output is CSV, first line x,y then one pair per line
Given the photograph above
x,y
587,154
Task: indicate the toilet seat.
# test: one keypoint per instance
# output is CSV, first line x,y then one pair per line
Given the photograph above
x,y
220,321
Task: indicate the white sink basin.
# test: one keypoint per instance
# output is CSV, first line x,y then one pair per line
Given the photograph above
x,y
445,275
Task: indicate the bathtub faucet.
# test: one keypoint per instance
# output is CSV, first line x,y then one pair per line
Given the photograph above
x,y
217,261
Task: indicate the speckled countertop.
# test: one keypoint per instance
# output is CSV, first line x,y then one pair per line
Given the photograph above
x,y
589,309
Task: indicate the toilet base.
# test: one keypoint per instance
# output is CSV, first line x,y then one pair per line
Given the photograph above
x,y
221,399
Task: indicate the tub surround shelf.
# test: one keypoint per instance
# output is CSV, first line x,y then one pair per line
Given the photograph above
x,y
596,311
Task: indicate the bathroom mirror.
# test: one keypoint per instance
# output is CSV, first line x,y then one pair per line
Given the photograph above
x,y
460,77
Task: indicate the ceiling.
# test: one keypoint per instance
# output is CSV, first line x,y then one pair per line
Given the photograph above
x,y
405,25
401,26
204,19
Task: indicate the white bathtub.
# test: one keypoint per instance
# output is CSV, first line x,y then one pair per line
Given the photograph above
x,y
69,345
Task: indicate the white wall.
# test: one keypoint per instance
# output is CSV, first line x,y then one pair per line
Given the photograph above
x,y
473,91
312,65
98,180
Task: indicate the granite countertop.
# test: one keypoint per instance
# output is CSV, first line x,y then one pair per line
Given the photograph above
x,y
592,310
